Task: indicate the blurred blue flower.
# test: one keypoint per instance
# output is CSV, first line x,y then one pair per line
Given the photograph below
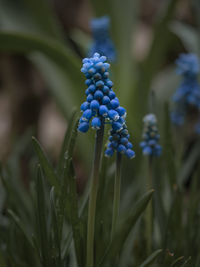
x,y
151,137
187,65
102,42
102,106
188,94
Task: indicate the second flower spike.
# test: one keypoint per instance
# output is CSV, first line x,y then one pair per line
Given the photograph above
x,y
149,145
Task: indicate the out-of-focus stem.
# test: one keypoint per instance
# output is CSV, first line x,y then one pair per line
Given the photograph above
x,y
149,210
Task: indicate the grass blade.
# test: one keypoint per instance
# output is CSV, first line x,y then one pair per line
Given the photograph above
x,y
48,169
69,192
55,229
72,199
42,223
125,228
20,226
188,166
169,149
65,146
151,258
177,261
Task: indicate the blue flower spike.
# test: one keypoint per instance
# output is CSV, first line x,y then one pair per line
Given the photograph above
x,y
102,42
187,96
149,145
119,141
102,106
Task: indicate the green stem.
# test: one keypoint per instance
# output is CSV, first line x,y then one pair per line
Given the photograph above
x,y
149,212
93,196
116,200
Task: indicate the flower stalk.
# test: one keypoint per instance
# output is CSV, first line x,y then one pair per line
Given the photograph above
x,y
116,200
93,196
149,210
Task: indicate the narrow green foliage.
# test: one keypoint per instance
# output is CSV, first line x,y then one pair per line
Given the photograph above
x,y
160,213
56,239
75,221
65,156
20,226
189,164
48,169
42,220
125,228
70,135
176,263
151,258
169,149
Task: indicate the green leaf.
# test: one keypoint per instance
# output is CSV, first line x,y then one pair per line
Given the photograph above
x,y
173,235
55,228
68,137
75,221
69,191
151,258
188,165
187,34
158,201
48,169
63,166
177,261
48,23
125,228
169,149
42,220
65,93
56,53
17,195
20,226
68,199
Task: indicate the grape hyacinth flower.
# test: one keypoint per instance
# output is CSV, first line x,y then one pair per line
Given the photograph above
x,y
102,106
151,137
119,140
187,96
150,148
102,42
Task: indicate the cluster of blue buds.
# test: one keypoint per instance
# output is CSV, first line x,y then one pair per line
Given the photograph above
x,y
119,140
151,137
187,95
102,42
102,106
